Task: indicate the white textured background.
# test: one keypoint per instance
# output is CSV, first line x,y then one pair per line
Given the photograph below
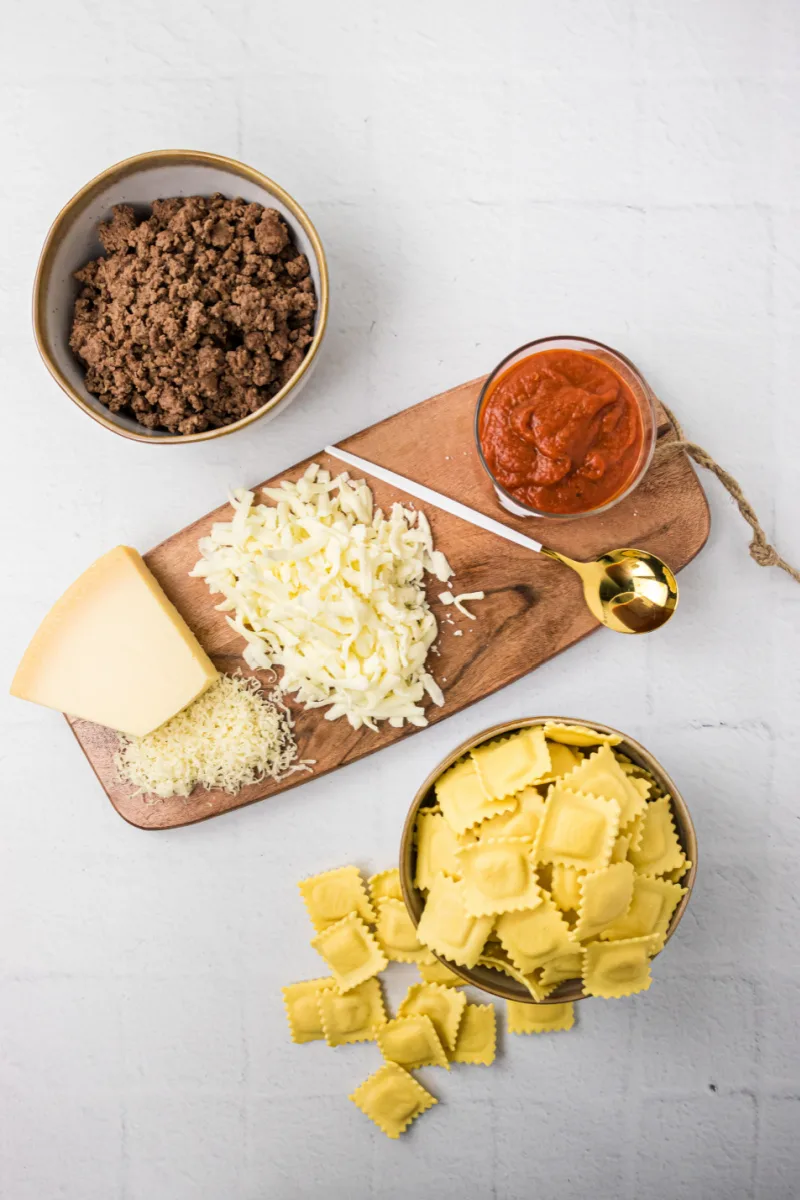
x,y
481,174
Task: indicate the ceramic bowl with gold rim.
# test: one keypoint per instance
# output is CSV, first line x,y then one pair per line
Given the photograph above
x,y
73,241
494,981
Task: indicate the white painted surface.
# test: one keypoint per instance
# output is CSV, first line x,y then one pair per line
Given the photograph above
x,y
480,175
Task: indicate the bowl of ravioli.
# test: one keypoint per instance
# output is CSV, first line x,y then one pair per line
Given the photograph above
x,y
547,860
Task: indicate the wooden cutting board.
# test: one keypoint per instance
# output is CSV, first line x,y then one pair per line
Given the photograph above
x,y
533,609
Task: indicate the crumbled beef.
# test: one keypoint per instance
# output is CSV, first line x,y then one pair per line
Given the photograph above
x,y
196,315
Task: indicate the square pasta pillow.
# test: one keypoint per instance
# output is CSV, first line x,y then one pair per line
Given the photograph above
x,y
498,875
445,1007
579,735
658,849
447,928
463,798
397,935
477,1036
506,765
539,1018
333,894
653,902
436,849
605,897
385,886
302,1009
439,972
576,830
601,775
354,1016
412,1042
533,937
614,969
522,821
351,952
392,1099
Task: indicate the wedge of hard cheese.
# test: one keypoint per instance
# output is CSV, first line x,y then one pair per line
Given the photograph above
x,y
115,651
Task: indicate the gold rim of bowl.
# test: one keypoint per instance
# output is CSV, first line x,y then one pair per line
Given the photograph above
x,y
72,209
491,981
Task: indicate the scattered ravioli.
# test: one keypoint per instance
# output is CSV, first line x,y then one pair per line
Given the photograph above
x,y
498,876
412,1042
385,886
601,775
477,1036
351,952
579,735
447,928
614,969
392,1099
397,934
606,896
576,829
436,849
462,797
539,1018
534,936
443,1005
522,821
334,894
302,1009
354,1016
438,972
653,902
506,765
658,849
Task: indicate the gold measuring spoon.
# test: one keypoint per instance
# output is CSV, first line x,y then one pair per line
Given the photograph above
x,y
629,591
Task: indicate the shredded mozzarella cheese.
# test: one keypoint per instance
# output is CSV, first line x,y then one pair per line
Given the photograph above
x,y
330,589
229,737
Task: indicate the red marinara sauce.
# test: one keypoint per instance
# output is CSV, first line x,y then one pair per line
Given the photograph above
x,y
561,431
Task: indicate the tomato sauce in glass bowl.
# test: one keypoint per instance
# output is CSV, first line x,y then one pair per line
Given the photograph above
x,y
565,427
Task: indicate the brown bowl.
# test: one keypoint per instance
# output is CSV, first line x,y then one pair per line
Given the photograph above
x,y
73,241
483,977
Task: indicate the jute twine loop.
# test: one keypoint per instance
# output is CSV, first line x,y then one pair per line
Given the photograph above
x,y
760,549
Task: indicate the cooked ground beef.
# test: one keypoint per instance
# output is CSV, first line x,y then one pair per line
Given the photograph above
x,y
196,315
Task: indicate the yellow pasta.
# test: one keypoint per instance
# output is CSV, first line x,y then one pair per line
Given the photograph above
x,y
658,849
605,897
565,966
563,759
565,886
539,1018
477,1036
412,1042
579,735
601,775
498,876
397,935
302,1009
392,1099
520,821
436,849
619,851
385,886
353,1017
447,928
507,765
445,1007
652,904
351,952
437,972
614,969
463,801
576,829
334,894
534,936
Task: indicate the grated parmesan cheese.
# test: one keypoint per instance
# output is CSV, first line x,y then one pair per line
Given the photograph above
x,y
330,589
229,737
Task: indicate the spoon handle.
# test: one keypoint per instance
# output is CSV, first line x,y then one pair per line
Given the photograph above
x,y
428,496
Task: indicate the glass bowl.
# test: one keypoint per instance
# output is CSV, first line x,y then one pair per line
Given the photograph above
x,y
629,374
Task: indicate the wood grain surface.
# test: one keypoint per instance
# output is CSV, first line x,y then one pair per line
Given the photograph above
x,y
533,609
